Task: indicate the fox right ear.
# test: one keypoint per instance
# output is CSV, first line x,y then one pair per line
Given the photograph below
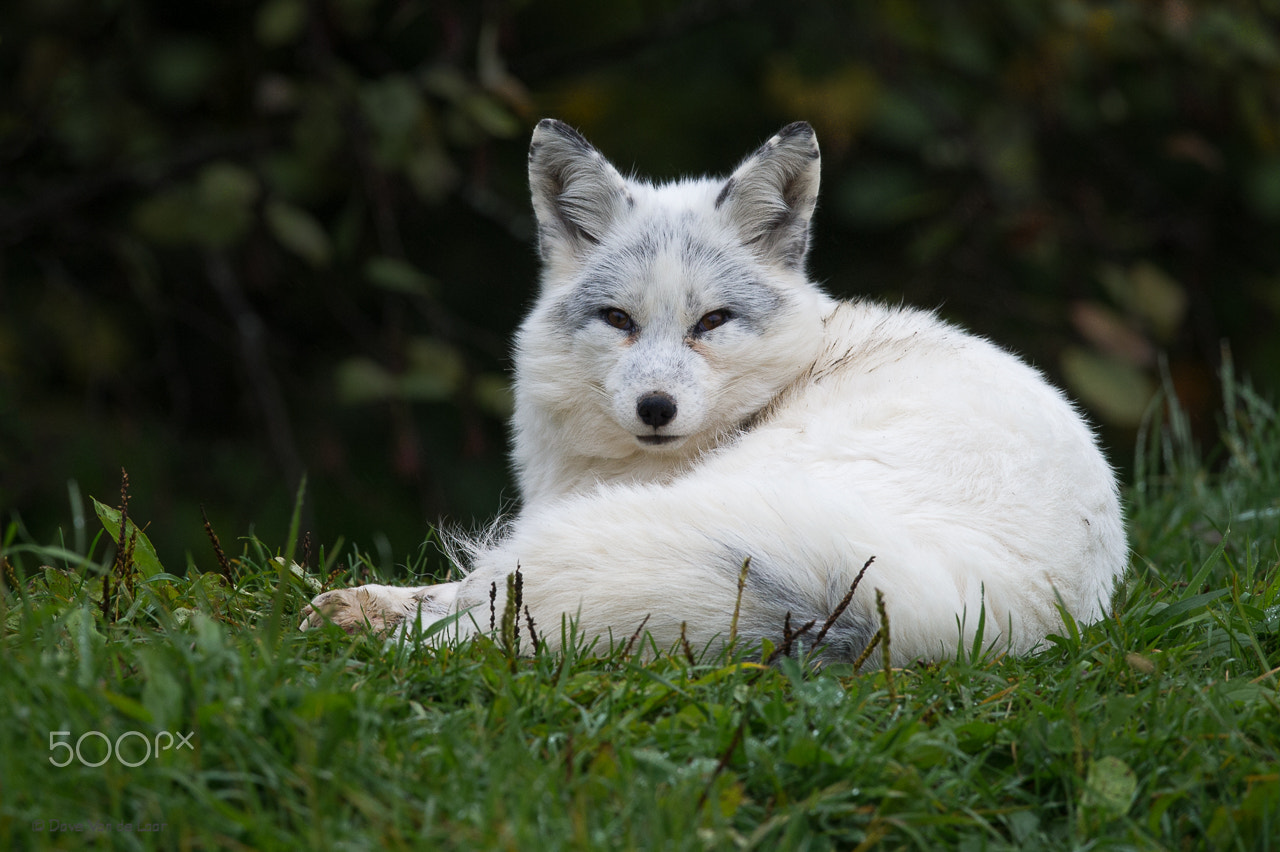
x,y
577,193
771,196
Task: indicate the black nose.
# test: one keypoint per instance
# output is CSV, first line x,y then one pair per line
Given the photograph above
x,y
656,409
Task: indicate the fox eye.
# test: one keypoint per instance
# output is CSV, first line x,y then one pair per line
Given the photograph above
x,y
714,319
618,318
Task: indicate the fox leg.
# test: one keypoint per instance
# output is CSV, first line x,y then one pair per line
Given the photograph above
x,y
381,609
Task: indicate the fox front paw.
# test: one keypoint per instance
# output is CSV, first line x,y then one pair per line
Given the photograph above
x,y
379,609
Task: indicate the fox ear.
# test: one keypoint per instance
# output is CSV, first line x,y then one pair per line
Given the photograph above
x,y
577,193
771,196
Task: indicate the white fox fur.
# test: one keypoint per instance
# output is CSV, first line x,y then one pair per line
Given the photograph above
x,y
686,398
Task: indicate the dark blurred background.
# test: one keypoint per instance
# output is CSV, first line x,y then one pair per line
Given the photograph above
x,y
244,241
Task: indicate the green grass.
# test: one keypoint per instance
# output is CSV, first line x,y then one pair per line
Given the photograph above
x,y
1157,729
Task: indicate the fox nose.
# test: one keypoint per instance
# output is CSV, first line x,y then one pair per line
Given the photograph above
x,y
656,409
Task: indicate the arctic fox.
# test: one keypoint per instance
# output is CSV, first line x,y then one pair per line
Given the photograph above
x,y
687,400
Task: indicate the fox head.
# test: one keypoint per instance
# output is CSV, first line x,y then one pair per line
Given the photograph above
x,y
669,315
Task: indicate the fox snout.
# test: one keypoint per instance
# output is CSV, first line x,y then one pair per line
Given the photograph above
x,y
656,409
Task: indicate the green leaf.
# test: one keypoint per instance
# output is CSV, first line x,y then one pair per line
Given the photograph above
x,y
1110,786
976,735
492,392
435,370
431,172
1160,299
1184,609
214,210
361,380
180,70
1262,188
166,217
129,706
394,108
226,194
298,231
491,116
398,276
280,22
210,637
1149,292
1117,390
225,184
62,584
144,554
161,691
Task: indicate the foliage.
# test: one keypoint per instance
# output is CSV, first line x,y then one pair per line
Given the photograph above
x,y
1154,729
240,241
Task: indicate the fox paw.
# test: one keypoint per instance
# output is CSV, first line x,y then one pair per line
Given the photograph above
x,y
379,609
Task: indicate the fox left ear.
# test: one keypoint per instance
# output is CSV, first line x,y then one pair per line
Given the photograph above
x,y
577,193
771,196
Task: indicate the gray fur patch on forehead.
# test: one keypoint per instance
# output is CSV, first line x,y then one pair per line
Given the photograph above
x,y
716,280
731,285
681,235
